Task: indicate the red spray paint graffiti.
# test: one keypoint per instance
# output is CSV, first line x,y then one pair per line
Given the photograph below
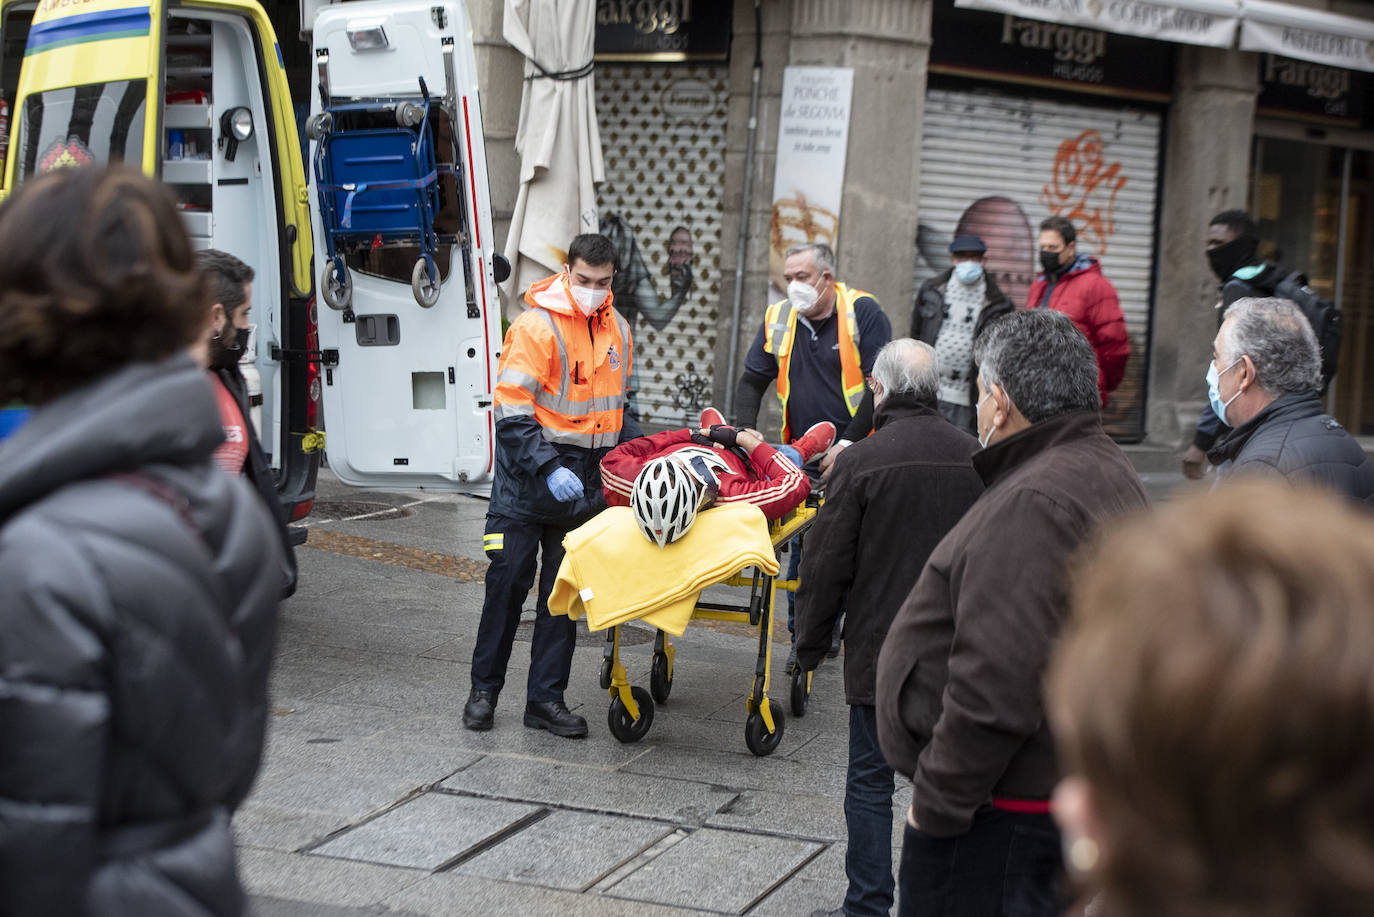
x,y
1083,188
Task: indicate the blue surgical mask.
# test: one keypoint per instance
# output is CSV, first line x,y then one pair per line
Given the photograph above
x,y
1214,391
968,272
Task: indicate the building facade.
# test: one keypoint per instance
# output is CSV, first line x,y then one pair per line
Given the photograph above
x,y
969,117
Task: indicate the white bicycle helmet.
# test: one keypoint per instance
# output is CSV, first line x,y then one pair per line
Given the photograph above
x,y
665,498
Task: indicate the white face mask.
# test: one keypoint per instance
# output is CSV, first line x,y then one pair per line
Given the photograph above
x,y
587,299
976,408
803,295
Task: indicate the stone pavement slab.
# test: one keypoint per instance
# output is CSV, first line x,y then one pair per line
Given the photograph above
x,y
449,894
614,792
723,871
427,831
319,880
741,771
568,850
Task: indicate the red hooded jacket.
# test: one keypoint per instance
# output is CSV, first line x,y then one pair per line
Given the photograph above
x,y
773,484
1088,298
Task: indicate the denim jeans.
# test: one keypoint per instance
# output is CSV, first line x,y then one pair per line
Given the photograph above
x,y
1008,865
868,819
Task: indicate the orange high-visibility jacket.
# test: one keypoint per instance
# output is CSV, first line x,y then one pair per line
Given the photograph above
x,y
570,372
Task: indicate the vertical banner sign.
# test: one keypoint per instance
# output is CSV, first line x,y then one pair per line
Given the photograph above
x,y
813,138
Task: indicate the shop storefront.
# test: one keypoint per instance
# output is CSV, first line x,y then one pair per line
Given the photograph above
x,y
660,96
1312,194
1025,119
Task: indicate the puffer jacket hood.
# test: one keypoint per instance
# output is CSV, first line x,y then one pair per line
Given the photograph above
x,y
138,594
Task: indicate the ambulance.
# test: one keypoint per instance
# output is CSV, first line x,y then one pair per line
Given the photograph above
x,y
195,94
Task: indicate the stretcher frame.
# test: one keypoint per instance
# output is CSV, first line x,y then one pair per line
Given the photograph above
x,y
631,712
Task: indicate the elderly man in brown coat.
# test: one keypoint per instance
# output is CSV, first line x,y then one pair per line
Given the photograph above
x,y
960,708
891,499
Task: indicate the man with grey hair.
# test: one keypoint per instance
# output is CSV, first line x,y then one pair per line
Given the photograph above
x,y
1264,383
960,709
819,345
891,498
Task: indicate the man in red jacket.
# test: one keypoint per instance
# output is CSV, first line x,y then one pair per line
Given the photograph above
x,y
1073,284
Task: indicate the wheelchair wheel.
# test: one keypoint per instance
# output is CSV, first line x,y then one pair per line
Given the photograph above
x,y
605,674
660,682
409,114
319,125
336,295
756,735
623,726
426,291
801,692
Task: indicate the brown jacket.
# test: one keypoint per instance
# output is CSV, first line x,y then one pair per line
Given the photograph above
x,y
959,676
890,500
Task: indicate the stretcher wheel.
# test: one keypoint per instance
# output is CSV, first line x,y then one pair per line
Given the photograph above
x,y
336,295
605,674
625,728
426,291
756,735
801,691
660,682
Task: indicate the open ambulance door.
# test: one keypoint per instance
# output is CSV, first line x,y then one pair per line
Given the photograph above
x,y
193,93
409,323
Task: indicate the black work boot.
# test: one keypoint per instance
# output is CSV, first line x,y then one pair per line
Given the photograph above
x,y
556,718
480,710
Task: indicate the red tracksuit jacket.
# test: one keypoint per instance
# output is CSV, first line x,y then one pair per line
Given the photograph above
x,y
773,484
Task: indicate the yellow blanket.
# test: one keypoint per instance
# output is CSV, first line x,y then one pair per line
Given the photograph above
x,y
613,574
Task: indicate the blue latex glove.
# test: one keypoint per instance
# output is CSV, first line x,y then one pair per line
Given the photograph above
x,y
564,485
792,455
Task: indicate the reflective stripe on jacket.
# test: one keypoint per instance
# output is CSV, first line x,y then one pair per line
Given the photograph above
x,y
569,372
780,328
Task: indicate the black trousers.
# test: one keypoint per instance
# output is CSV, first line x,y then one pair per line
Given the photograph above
x,y
1008,865
512,546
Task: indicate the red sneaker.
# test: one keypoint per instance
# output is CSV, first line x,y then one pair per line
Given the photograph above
x,y
710,417
815,441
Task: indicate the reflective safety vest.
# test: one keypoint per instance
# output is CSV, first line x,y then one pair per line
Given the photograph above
x,y
569,372
780,327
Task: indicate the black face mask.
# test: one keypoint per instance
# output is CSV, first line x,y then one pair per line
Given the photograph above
x,y
1231,257
226,356
1049,262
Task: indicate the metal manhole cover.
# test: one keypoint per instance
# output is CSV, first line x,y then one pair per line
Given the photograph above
x,y
629,636
338,510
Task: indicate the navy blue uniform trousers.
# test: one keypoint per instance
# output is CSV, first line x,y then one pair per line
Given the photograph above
x,y
512,546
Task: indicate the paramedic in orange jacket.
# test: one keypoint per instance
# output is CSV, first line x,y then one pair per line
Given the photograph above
x,y
560,407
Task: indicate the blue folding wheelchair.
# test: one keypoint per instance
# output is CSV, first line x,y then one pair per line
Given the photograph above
x,y
377,186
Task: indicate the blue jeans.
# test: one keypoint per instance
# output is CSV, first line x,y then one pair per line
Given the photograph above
x,y
868,819
1008,865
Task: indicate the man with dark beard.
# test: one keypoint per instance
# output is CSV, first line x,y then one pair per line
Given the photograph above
x,y
230,281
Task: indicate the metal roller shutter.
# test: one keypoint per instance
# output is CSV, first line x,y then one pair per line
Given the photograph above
x,y
996,165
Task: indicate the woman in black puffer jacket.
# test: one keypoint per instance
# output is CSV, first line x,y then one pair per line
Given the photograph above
x,y
138,583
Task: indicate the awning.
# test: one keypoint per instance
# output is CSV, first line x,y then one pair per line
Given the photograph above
x,y
557,140
1310,35
1195,22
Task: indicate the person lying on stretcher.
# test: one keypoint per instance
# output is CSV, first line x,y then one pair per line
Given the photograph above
x,y
668,477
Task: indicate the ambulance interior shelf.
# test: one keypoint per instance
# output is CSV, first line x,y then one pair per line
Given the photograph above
x,y
188,125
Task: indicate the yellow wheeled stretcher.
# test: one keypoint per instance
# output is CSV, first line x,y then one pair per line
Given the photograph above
x,y
631,711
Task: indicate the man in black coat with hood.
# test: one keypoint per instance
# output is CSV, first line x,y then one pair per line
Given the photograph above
x,y
892,497
1264,384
